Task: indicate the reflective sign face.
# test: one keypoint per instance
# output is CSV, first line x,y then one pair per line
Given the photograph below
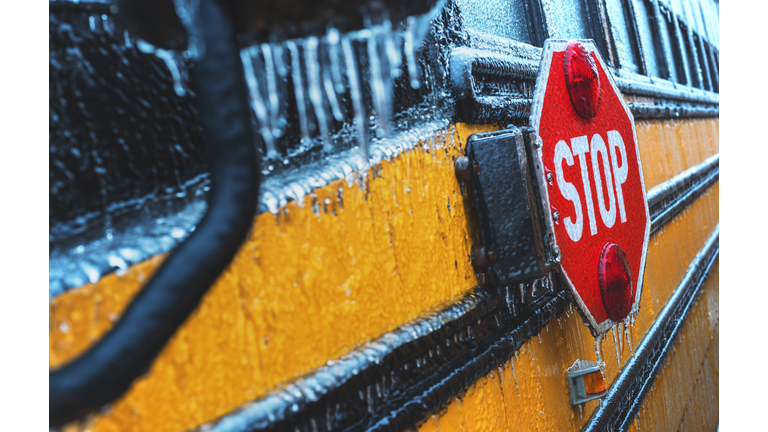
x,y
588,160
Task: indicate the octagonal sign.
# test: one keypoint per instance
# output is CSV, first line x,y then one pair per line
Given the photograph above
x,y
587,163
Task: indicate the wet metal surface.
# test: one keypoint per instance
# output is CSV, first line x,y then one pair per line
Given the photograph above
x,y
507,207
528,392
346,253
627,393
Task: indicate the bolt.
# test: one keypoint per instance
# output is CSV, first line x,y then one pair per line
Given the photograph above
x,y
462,168
556,216
549,177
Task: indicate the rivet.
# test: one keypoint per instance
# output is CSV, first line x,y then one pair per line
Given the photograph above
x,y
462,168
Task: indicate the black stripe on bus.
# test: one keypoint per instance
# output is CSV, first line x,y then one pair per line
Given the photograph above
x,y
403,377
629,390
494,87
671,197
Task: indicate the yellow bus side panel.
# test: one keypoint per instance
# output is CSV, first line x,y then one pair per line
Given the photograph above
x,y
669,147
322,277
685,396
307,286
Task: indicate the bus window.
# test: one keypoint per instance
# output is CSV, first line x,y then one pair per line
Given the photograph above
x,y
620,20
649,37
694,72
566,19
711,12
698,43
675,58
509,18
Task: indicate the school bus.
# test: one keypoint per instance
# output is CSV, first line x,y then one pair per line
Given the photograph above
x,y
262,217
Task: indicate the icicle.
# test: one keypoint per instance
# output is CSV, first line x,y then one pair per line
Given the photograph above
x,y
105,23
534,287
277,51
257,101
395,61
172,62
514,378
378,89
616,346
627,322
510,301
500,369
621,339
330,90
128,43
356,95
187,11
333,53
274,96
522,293
315,94
410,53
298,90
598,351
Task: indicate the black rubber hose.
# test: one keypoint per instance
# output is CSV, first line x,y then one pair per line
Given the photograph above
x,y
106,371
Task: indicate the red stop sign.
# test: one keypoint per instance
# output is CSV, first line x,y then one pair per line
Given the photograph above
x,y
588,160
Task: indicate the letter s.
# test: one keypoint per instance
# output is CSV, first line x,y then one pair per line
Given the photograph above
x,y
569,191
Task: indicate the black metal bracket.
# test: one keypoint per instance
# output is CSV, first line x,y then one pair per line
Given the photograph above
x,y
508,208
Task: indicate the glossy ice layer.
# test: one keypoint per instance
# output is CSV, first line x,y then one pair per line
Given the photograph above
x,y
332,269
529,393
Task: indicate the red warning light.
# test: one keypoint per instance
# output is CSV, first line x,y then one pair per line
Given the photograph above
x,y
615,279
582,80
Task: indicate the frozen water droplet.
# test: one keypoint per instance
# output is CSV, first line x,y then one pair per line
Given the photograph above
x,y
514,378
315,94
356,95
249,58
410,56
298,87
616,346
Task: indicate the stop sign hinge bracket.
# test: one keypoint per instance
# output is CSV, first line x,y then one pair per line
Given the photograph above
x,y
516,245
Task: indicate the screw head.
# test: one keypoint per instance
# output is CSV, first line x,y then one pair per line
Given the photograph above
x,y
550,177
556,216
462,168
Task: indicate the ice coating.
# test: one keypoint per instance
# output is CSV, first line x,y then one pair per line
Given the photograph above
x,y
294,396
332,76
